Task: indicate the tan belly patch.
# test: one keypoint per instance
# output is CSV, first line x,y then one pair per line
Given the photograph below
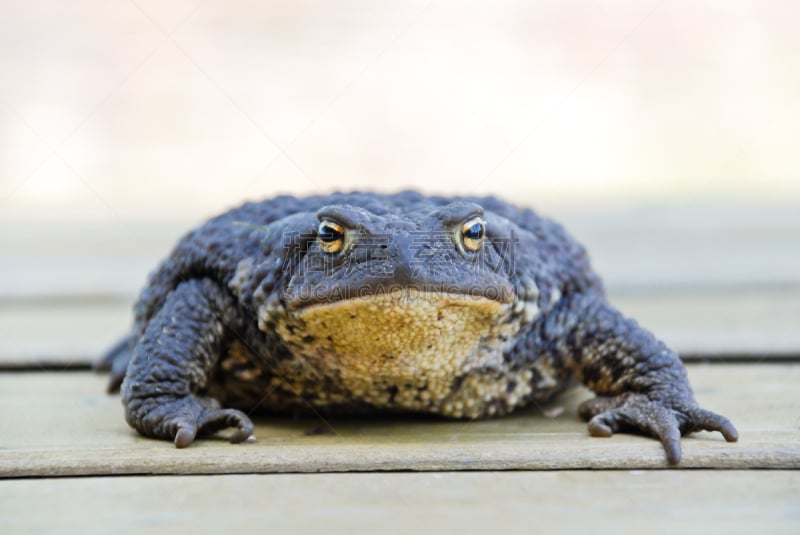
x,y
402,349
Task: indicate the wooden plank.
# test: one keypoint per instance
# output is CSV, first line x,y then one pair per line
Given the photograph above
x,y
488,502
80,258
634,249
64,425
708,325
749,324
695,246
57,333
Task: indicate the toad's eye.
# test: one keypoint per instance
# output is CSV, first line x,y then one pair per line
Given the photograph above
x,y
330,236
473,232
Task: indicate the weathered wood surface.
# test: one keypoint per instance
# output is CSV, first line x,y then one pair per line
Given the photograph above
x,y
711,281
486,502
751,324
60,424
643,249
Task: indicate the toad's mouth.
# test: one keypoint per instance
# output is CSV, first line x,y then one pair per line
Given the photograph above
x,y
405,306
397,294
401,335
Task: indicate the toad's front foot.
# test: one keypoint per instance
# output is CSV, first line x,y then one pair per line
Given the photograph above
x,y
182,418
664,420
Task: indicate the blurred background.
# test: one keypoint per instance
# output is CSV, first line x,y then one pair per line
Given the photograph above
x,y
664,134
114,109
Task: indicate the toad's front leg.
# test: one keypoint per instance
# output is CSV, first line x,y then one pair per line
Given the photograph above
x,y
641,384
171,364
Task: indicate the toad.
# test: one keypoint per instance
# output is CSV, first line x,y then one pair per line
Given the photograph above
x,y
462,307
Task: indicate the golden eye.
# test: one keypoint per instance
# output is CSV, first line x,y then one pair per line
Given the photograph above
x,y
473,232
330,236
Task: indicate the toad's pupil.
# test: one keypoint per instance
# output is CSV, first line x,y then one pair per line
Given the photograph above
x,y
475,232
329,234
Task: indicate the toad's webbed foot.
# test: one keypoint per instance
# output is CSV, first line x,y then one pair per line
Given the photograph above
x,y
181,419
664,420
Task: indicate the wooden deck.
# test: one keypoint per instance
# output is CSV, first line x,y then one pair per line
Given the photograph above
x,y
721,284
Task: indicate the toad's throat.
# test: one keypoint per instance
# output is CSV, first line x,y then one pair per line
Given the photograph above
x,y
406,337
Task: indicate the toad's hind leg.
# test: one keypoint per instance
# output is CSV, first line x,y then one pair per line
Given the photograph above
x,y
172,362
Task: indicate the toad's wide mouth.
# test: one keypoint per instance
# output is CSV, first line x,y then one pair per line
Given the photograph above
x,y
398,295
405,303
